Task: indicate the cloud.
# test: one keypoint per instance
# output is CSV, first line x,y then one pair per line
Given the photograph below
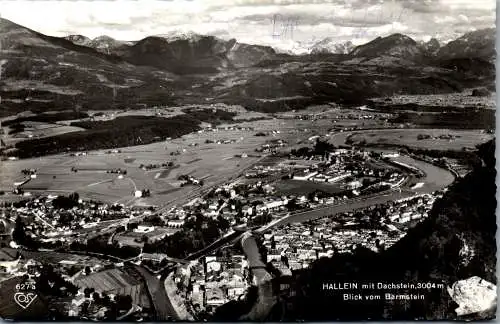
x,y
279,23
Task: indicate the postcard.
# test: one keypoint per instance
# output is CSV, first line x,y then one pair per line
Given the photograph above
x,y
262,161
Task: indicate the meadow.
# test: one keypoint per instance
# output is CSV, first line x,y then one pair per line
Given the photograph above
x,y
299,187
438,139
211,162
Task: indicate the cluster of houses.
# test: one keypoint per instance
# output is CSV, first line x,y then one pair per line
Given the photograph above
x,y
217,280
45,223
213,281
241,201
347,168
413,208
296,246
225,128
272,146
260,171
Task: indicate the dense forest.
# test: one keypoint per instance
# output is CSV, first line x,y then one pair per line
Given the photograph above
x,y
119,132
213,116
467,119
430,252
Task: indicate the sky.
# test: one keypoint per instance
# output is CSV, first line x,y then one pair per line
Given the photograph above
x,y
288,25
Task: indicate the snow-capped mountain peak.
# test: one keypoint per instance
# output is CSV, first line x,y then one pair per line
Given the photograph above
x,y
176,35
329,45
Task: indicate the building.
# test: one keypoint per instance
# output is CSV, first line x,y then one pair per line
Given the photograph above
x,y
214,295
272,204
144,229
304,175
175,223
157,257
354,185
390,155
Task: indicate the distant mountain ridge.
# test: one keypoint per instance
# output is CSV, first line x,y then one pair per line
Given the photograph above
x,y
329,45
475,44
398,45
103,44
479,43
431,47
180,53
216,54
56,73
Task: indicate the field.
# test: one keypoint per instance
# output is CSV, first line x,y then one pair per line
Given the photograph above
x,y
39,130
438,139
298,187
56,257
129,238
198,155
117,282
214,163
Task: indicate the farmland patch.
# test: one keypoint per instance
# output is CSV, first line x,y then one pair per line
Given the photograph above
x,y
439,139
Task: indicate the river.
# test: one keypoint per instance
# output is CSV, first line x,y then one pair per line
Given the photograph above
x,y
435,179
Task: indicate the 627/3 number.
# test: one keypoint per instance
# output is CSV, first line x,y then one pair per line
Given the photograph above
x,y
26,286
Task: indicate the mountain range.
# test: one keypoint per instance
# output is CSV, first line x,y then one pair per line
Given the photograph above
x,y
55,73
329,45
479,43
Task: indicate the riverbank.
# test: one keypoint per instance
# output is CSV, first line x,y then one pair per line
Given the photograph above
x,y
176,300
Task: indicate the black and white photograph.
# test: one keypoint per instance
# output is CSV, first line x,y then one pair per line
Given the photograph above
x,y
247,160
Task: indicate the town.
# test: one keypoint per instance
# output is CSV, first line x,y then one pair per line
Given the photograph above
x,y
190,162
313,184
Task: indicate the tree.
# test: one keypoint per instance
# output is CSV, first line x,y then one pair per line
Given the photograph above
x,y
63,202
74,196
132,226
321,147
106,301
19,233
88,291
222,223
123,302
292,204
96,297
